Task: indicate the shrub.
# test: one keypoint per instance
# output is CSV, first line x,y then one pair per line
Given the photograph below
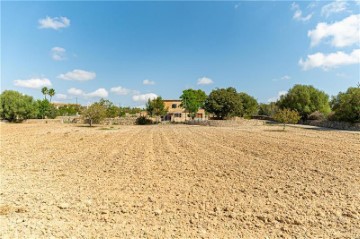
x,y
142,120
268,109
156,107
305,99
316,116
94,113
15,106
331,116
45,109
250,105
224,103
346,106
287,116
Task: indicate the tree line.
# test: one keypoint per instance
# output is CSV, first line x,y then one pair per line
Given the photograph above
x,y
302,102
16,107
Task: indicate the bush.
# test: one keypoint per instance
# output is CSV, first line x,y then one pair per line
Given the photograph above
x,y
346,106
287,116
250,105
224,103
142,120
45,109
305,99
268,109
16,107
316,116
331,116
94,113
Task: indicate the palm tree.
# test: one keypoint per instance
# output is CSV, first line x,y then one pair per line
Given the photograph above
x,y
45,91
51,93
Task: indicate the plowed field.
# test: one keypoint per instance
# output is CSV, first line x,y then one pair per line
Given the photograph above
x,y
178,181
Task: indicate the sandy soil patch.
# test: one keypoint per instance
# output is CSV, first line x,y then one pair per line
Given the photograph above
x,y
178,181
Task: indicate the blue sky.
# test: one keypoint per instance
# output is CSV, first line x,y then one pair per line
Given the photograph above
x,y
130,51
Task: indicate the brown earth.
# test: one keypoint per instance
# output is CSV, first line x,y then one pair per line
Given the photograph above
x,y
178,181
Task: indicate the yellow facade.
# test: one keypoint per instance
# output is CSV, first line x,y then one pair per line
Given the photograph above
x,y
178,114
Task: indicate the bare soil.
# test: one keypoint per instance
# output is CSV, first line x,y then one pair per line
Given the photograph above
x,y
178,181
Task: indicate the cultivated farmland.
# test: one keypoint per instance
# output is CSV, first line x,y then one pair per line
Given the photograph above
x,y
178,181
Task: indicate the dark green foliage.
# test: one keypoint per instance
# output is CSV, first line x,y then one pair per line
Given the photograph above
x,y
45,91
192,101
15,106
305,100
268,109
69,109
224,103
128,110
346,106
94,113
287,116
51,93
45,109
142,120
250,105
156,107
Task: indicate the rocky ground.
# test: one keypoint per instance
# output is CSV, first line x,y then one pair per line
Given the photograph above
x,y
177,181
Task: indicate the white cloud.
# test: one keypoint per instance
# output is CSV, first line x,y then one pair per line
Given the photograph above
x,y
74,91
343,33
204,81
332,60
298,15
119,90
144,97
286,77
101,93
33,83
280,93
342,75
334,7
79,75
148,82
54,23
61,96
58,53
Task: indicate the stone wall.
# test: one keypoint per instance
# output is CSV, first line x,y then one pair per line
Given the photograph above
x,y
334,124
129,120
43,121
227,123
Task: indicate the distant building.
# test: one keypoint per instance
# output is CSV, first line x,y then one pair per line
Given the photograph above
x,y
178,114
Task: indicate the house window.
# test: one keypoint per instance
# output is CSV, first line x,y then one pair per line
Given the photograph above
x,y
173,106
178,115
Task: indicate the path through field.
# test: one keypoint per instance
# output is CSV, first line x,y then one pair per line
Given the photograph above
x,y
178,181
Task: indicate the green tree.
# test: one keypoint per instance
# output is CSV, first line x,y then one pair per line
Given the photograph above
x,y
224,103
69,109
346,106
45,91
156,107
15,106
305,99
192,101
112,110
250,105
287,116
268,109
45,109
51,93
94,113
